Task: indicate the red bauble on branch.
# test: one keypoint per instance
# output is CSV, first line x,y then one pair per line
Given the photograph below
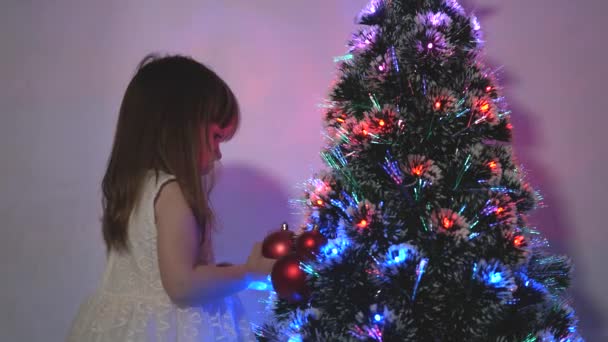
x,y
289,280
309,243
278,244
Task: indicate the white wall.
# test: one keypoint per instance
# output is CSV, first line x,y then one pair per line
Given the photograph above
x,y
64,65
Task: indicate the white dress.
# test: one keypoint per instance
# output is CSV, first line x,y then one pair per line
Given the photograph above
x,y
132,305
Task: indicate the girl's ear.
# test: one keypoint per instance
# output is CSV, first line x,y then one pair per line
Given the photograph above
x,y
215,128
214,132
211,132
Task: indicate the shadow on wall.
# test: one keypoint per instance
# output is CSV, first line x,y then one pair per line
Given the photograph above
x,y
552,218
248,203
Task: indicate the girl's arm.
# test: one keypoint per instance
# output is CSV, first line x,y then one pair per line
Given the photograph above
x,y
186,282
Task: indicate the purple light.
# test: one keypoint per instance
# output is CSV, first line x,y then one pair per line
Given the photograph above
x,y
476,25
373,6
381,68
430,46
370,8
394,58
363,39
455,6
439,19
435,19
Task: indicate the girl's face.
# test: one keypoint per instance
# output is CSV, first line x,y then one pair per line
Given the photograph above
x,y
210,150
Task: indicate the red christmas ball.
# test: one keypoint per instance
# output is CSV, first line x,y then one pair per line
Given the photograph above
x,y
309,243
288,279
278,244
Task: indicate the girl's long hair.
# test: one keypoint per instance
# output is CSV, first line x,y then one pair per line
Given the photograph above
x,y
163,118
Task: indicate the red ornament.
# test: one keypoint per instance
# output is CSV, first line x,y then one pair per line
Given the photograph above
x,y
309,243
288,279
278,244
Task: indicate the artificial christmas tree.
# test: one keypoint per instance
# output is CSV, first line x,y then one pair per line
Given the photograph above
x,y
423,205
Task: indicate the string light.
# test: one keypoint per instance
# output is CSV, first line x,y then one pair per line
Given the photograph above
x,y
485,106
398,254
495,277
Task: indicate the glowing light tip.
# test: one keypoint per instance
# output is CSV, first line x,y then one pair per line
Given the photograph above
x,y
484,107
447,223
495,277
418,170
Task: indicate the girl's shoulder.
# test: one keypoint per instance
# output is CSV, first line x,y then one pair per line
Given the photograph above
x,y
157,179
152,185
143,217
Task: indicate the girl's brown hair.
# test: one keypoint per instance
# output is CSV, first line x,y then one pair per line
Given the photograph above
x,y
165,106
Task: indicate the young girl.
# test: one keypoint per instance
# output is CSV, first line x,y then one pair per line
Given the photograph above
x,y
160,282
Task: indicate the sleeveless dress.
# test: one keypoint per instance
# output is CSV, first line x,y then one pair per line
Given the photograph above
x,y
131,303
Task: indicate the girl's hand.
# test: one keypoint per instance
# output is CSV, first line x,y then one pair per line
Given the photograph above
x,y
258,267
